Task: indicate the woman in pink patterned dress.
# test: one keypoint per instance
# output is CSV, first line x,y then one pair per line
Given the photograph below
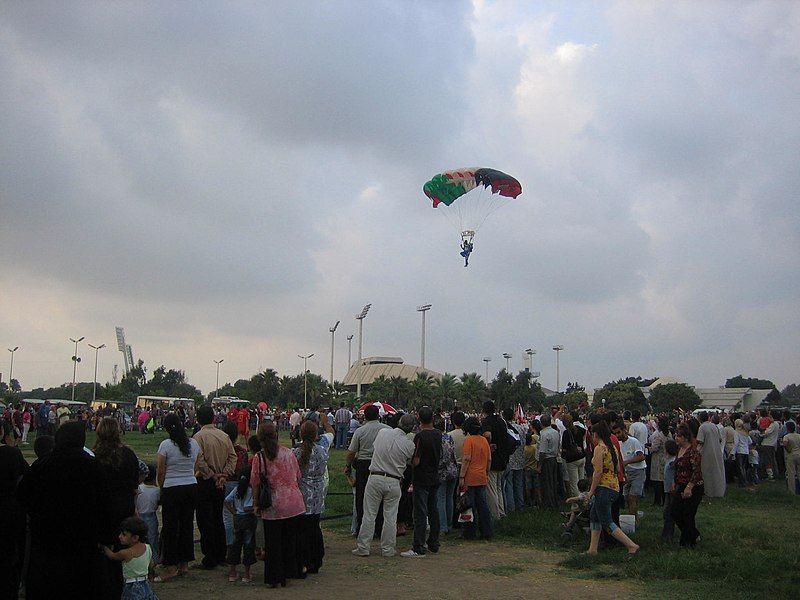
x,y
281,520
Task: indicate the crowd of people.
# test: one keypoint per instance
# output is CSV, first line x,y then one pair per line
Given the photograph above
x,y
89,518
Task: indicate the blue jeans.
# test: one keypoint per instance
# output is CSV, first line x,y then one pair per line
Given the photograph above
x,y
426,510
341,435
447,490
600,511
151,520
227,517
514,489
480,513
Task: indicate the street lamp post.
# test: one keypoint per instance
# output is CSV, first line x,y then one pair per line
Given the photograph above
x,y
558,350
11,369
530,352
487,360
360,319
349,351
305,378
94,383
333,334
507,356
423,309
218,363
75,361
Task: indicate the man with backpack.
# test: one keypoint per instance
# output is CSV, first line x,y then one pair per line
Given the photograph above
x,y
496,432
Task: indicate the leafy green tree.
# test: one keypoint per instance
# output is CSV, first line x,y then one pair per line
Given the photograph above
x,y
620,396
774,398
263,387
500,389
445,391
473,392
399,391
420,391
673,396
749,382
288,393
791,394
520,393
380,390
538,398
575,396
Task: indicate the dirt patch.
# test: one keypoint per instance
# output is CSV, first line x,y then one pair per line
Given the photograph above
x,y
459,571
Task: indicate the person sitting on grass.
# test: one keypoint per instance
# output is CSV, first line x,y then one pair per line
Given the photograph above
x,y
137,560
580,503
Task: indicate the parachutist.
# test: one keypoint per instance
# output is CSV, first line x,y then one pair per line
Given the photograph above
x,y
466,249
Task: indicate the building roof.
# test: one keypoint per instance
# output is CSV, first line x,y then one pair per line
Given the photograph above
x,y
369,369
730,398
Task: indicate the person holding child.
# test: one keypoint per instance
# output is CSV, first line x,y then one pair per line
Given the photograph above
x,y
137,560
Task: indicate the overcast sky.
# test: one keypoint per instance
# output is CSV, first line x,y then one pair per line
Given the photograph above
x,y
227,180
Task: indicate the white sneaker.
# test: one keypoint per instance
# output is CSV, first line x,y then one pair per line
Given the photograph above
x,y
358,552
411,554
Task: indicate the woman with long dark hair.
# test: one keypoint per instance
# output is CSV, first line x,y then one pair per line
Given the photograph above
x,y
121,467
312,458
687,489
605,489
177,456
281,520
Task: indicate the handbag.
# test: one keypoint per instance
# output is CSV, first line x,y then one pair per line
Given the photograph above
x,y
462,503
264,490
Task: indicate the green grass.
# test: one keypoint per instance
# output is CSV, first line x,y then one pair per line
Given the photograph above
x,y
748,547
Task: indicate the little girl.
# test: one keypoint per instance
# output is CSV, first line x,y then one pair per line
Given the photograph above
x,y
240,503
137,560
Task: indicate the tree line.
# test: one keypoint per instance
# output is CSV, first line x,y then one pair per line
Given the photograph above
x,y
467,391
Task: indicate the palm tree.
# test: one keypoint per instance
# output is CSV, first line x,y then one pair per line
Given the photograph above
x,y
421,389
473,391
446,390
398,387
379,390
287,394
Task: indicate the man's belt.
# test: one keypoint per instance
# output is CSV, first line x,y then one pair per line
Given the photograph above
x,y
382,474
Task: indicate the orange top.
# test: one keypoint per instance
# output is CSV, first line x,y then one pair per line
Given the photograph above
x,y
477,448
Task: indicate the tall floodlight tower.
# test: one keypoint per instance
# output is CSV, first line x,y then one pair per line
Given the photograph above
x,y
333,335
122,347
558,350
360,318
423,309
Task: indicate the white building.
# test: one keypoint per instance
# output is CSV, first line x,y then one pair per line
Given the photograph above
x,y
728,399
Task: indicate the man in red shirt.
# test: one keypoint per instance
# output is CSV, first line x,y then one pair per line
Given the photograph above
x,y
243,422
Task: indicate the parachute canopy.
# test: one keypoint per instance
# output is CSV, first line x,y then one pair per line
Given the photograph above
x,y
447,187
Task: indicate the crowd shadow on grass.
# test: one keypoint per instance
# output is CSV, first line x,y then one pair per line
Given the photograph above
x,y
748,547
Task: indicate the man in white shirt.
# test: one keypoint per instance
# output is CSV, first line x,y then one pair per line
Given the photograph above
x,y
638,429
391,451
635,468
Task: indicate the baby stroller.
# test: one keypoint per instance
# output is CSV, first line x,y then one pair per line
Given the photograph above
x,y
577,521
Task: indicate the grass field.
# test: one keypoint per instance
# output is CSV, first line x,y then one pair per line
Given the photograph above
x,y
749,541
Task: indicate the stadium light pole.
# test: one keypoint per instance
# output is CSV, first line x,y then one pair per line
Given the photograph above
x,y
218,363
75,361
530,352
507,356
423,309
349,351
94,382
333,334
558,350
487,360
360,319
11,369
305,378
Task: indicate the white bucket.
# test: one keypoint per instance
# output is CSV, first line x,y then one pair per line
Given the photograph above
x,y
628,524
